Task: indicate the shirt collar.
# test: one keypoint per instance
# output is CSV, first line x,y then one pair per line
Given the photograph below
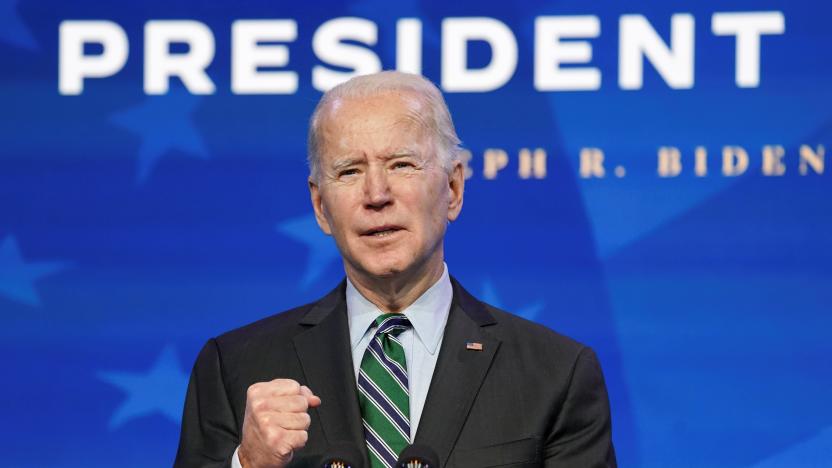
x,y
428,314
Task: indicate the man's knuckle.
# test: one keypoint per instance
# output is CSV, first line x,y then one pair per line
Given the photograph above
x,y
289,386
291,420
290,403
274,437
284,449
263,420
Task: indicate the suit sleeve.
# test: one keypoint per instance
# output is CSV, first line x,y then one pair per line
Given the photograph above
x,y
582,434
209,429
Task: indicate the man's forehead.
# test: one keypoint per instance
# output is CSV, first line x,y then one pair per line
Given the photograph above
x,y
406,103
390,124
339,155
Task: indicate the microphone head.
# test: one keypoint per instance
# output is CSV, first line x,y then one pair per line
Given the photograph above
x,y
418,456
341,455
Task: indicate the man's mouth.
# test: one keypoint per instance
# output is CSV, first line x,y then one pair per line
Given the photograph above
x,y
381,231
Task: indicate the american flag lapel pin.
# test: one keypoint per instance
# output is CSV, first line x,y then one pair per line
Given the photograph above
x,y
473,345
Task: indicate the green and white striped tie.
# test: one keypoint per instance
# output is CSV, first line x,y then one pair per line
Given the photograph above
x,y
383,392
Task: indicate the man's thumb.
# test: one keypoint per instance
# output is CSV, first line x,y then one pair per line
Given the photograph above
x,y
314,400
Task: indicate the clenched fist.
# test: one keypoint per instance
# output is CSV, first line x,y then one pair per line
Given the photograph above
x,y
275,423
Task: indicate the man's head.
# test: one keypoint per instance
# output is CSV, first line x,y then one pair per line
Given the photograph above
x,y
385,173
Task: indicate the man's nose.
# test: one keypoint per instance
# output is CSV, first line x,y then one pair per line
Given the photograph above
x,y
377,193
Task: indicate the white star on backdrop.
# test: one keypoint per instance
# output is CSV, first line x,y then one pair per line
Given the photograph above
x,y
12,28
490,296
161,389
164,125
17,277
322,249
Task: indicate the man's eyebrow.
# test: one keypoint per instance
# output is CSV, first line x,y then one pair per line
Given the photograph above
x,y
344,162
403,153
347,162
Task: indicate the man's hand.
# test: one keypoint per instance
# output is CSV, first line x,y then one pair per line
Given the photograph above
x,y
275,423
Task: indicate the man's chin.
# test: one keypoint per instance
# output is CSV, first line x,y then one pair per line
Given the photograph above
x,y
382,269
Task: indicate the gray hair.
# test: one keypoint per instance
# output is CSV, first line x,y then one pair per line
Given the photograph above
x,y
438,121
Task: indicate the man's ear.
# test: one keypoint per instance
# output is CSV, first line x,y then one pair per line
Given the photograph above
x,y
456,186
318,207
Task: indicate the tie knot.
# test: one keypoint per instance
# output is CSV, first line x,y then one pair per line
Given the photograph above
x,y
391,324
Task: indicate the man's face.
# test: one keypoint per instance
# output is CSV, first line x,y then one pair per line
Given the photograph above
x,y
383,193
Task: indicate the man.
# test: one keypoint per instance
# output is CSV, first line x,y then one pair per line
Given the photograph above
x,y
399,352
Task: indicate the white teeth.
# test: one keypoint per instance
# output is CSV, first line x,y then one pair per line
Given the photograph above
x,y
383,233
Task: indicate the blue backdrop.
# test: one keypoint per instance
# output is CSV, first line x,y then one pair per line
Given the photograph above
x,y
134,226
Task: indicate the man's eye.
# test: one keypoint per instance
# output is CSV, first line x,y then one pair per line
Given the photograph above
x,y
348,172
401,164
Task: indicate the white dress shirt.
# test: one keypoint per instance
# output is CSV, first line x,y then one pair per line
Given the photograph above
x,y
428,316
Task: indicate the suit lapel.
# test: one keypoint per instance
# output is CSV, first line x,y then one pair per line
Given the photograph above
x,y
458,375
325,356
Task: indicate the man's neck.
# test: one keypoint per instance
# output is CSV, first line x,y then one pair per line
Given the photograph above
x,y
396,293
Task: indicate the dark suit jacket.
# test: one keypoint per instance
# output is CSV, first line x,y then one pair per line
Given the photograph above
x,y
531,397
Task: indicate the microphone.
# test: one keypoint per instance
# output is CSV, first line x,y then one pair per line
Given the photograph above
x,y
418,456
341,455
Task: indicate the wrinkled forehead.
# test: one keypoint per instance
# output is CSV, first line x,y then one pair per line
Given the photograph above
x,y
385,113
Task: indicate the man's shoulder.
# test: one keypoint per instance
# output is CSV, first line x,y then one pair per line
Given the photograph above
x,y
554,355
282,324
513,329
512,326
522,340
279,327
